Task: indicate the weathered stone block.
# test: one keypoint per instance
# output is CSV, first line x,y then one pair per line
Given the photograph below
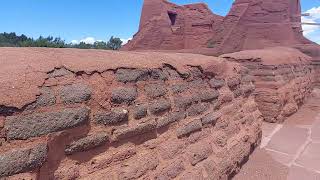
x,y
289,109
220,139
248,89
131,75
225,97
66,172
197,84
2,119
197,109
87,143
158,74
124,95
248,78
199,152
216,83
22,160
127,132
210,167
139,111
138,166
75,93
211,118
184,102
209,95
233,82
104,160
179,88
237,92
170,118
24,127
155,90
171,149
112,117
171,171
47,98
188,128
194,174
250,107
160,106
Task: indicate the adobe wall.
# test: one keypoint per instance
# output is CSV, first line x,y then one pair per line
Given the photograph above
x,y
314,52
118,115
192,28
316,68
250,24
257,24
283,77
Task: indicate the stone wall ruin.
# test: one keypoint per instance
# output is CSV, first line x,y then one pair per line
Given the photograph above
x,y
159,119
167,26
283,77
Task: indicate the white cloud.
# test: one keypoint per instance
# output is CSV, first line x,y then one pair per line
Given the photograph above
x,y
314,12
312,31
88,40
125,41
74,42
307,29
92,40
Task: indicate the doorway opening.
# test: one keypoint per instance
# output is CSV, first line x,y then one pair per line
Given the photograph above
x,y
172,17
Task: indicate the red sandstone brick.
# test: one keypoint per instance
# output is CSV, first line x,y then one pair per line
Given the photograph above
x,y
172,170
138,166
198,152
171,148
2,119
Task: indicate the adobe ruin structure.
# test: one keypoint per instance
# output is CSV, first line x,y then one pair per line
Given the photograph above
x,y
90,114
167,26
250,24
257,24
93,114
284,77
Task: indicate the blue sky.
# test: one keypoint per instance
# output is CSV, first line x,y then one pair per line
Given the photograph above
x,y
100,19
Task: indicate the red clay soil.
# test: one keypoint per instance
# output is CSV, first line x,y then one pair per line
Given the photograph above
x,y
23,70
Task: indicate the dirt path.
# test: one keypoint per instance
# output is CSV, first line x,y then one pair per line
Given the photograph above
x,y
289,151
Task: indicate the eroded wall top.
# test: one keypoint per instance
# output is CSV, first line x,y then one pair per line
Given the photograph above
x,y
24,70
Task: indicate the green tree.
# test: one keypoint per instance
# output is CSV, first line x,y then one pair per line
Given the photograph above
x,y
83,45
100,45
114,43
14,40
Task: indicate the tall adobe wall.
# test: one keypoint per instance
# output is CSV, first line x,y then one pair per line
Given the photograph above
x,y
89,114
283,77
167,26
314,52
256,24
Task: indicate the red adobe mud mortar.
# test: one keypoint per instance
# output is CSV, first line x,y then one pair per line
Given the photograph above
x,y
92,114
